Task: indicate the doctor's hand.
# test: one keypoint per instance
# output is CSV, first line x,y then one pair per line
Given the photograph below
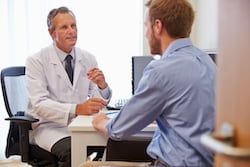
x,y
97,76
91,106
100,121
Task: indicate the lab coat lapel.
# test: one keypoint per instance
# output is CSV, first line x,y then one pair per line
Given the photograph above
x,y
79,66
59,69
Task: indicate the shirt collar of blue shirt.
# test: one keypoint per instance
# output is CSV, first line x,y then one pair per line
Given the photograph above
x,y
176,45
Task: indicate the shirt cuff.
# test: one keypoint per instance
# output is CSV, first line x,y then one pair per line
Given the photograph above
x,y
72,111
106,92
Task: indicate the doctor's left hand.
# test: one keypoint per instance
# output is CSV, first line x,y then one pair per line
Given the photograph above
x,y
97,76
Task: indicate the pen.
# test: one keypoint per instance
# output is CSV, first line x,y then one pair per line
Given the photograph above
x,y
109,113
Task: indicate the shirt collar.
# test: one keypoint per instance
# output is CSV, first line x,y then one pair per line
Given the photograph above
x,y
62,55
176,45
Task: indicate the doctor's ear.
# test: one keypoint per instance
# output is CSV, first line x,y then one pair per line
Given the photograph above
x,y
52,33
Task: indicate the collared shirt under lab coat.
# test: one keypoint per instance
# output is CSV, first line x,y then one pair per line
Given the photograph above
x,y
52,97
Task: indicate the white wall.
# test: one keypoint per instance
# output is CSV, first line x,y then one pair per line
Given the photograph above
x,y
206,26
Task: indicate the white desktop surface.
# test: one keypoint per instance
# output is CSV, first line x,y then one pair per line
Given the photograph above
x,y
83,134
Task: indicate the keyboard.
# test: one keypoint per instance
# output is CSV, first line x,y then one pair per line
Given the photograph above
x,y
116,104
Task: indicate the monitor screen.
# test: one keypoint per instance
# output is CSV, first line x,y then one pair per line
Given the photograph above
x,y
213,56
138,65
212,53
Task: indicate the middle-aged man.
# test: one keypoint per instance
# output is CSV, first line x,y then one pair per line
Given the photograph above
x,y
63,82
177,91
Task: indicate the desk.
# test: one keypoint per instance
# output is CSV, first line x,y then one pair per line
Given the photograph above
x,y
83,134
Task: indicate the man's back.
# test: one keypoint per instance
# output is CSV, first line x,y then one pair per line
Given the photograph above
x,y
185,104
178,92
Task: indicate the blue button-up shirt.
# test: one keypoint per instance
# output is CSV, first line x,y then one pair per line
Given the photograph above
x,y
178,91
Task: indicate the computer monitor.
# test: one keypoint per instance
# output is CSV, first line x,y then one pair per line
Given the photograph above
x,y
213,56
138,65
212,53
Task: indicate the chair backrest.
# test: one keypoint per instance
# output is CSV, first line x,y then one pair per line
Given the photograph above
x,y
14,88
13,81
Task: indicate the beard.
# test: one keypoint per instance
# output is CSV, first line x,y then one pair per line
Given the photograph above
x,y
155,45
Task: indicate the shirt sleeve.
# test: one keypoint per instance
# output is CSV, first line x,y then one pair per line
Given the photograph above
x,y
106,93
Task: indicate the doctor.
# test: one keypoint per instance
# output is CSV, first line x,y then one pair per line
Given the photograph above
x,y
53,99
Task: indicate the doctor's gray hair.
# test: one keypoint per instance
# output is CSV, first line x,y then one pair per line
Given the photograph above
x,y
54,12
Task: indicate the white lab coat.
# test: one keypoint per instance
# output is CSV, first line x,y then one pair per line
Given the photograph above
x,y
52,98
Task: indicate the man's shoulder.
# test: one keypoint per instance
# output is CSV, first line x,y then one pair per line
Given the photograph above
x,y
41,56
43,51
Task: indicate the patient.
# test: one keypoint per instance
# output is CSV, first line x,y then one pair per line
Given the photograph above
x,y
177,91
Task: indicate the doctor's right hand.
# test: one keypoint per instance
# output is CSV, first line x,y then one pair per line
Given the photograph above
x,y
90,106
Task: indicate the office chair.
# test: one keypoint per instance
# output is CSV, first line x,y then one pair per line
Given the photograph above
x,y
14,91
132,149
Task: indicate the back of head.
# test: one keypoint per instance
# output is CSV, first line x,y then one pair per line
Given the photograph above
x,y
177,16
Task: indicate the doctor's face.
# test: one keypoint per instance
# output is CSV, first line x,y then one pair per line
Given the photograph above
x,y
64,33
